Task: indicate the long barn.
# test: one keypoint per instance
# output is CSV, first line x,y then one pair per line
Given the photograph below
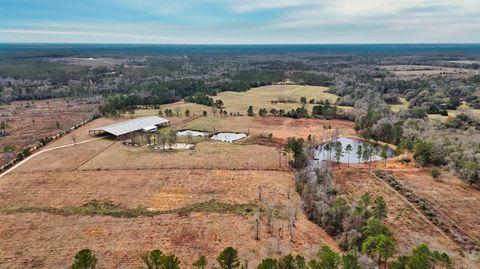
x,y
143,124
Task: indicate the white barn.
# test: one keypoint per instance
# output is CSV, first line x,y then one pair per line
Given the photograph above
x,y
142,124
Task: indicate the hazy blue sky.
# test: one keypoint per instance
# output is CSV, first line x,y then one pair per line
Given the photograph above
x,y
240,21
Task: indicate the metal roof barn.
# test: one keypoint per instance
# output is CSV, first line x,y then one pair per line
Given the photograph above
x,y
130,126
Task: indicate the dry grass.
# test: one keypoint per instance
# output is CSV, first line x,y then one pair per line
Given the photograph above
x,y
452,113
410,227
33,120
413,71
195,109
206,155
460,206
279,127
119,242
400,107
261,97
157,190
43,201
65,159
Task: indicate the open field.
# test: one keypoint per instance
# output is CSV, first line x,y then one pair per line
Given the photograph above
x,y
410,227
279,127
261,97
399,107
156,190
462,109
466,62
119,242
30,121
208,155
412,71
121,202
91,62
453,206
195,109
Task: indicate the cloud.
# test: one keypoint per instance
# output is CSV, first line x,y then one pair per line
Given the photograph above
x,y
244,21
383,13
88,34
255,5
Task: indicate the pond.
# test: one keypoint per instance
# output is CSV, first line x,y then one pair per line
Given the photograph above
x,y
322,153
228,137
192,133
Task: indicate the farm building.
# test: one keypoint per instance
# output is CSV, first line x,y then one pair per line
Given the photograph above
x,y
143,124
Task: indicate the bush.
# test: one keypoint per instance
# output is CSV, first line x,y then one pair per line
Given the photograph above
x,y
435,173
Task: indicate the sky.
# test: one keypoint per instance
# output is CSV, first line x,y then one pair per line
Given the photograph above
x,y
240,21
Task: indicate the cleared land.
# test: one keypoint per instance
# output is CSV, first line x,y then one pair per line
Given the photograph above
x,y
122,201
462,109
261,97
399,107
279,127
460,206
91,62
408,224
33,120
414,71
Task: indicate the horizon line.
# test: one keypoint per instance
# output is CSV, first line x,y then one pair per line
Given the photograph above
x,y
237,44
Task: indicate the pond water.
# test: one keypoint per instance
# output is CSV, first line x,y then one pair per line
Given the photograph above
x,y
228,137
192,133
322,154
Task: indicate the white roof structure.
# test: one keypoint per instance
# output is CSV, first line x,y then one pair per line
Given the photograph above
x,y
133,125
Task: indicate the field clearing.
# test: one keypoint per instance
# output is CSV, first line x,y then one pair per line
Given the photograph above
x,y
31,120
279,127
461,109
466,62
65,159
409,226
206,155
427,70
156,190
452,205
400,107
195,110
261,97
91,62
33,235
119,242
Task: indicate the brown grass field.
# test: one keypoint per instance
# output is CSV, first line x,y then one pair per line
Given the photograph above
x,y
43,203
408,224
281,128
261,97
415,71
122,201
31,120
460,206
